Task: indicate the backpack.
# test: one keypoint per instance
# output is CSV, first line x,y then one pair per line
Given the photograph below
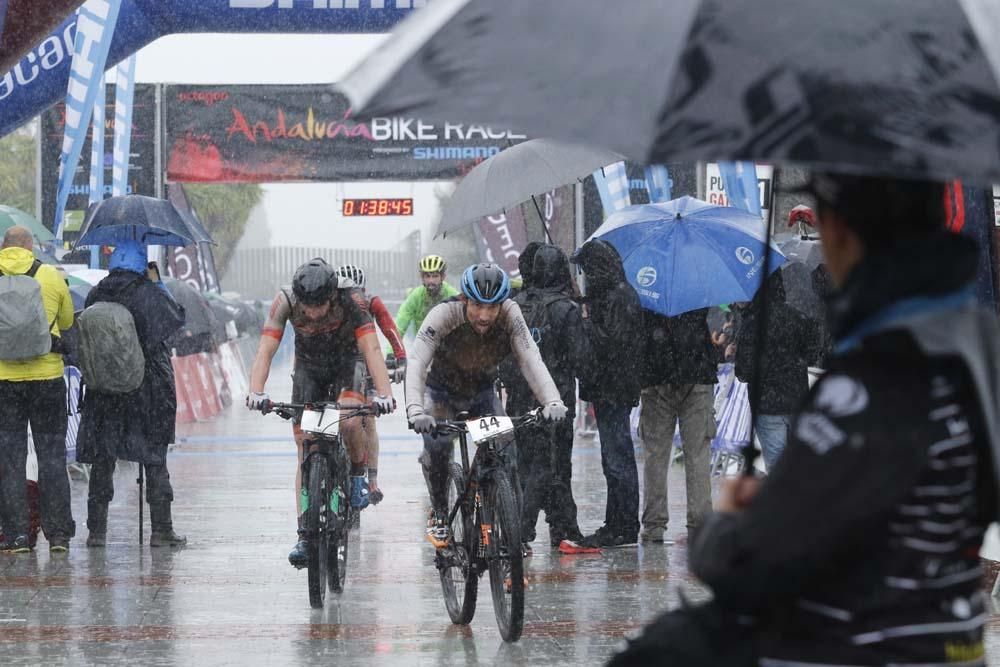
x,y
535,309
110,355
25,331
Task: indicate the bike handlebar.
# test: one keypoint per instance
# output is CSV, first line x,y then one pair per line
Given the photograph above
x,y
290,410
456,426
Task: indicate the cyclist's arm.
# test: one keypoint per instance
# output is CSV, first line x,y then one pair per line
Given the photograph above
x,y
408,310
529,359
388,327
270,339
442,319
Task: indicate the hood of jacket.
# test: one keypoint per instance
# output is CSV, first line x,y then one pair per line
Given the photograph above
x,y
15,261
602,265
526,262
550,270
118,280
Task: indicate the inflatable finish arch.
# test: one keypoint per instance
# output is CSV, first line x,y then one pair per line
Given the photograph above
x,y
40,79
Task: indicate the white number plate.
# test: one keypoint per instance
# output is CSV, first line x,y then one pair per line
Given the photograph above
x,y
489,428
324,421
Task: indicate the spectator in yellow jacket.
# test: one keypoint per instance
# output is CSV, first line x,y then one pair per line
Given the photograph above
x,y
32,392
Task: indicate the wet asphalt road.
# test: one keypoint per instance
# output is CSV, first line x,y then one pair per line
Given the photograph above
x,y
230,597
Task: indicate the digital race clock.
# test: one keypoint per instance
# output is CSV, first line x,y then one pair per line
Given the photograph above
x,y
366,207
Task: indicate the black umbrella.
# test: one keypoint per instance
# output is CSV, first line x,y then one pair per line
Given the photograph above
x,y
134,217
199,318
907,88
800,290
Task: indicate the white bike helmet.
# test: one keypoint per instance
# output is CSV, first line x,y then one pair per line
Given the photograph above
x,y
350,275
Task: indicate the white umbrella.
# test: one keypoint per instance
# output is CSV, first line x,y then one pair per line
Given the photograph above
x,y
517,174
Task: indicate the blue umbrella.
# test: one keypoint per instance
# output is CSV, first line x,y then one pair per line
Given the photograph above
x,y
148,220
688,254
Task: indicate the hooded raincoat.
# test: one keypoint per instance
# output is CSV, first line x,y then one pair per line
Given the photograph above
x,y
136,426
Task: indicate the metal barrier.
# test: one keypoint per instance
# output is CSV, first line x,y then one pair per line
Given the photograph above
x,y
258,273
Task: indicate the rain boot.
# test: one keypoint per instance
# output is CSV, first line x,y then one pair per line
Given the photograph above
x,y
163,534
97,524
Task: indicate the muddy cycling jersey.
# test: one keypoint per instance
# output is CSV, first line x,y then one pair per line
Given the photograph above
x,y
327,342
449,355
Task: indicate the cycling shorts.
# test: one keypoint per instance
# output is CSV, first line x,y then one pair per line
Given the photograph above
x,y
345,382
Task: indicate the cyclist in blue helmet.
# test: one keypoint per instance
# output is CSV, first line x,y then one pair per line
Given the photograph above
x,y
453,368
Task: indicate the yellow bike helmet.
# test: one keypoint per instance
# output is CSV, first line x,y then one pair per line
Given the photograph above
x,y
432,264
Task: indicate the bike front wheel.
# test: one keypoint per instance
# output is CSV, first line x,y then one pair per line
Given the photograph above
x,y
339,542
458,582
317,514
501,523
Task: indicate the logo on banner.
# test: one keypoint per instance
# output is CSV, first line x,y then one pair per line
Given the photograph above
x,y
646,276
745,255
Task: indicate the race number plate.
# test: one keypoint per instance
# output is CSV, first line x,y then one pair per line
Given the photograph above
x,y
485,429
323,421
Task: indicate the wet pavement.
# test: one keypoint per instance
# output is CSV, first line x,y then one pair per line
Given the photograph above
x,y
230,597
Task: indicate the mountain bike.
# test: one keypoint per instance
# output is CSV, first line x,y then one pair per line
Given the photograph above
x,y
485,524
326,491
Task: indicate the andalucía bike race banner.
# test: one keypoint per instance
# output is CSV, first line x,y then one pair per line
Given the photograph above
x,y
306,133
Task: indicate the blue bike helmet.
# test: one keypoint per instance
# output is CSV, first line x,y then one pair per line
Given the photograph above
x,y
485,283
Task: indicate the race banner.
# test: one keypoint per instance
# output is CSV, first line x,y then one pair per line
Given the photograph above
x,y
255,134
193,264
501,239
142,165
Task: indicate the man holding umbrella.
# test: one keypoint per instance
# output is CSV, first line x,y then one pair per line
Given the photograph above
x,y
138,425
130,408
862,546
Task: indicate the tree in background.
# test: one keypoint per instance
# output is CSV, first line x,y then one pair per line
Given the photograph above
x,y
17,170
224,210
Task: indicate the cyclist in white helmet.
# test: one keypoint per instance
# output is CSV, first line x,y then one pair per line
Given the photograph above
x,y
351,276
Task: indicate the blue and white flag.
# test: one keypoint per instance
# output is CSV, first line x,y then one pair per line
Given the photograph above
x,y
740,182
95,26
658,183
97,147
124,96
612,185
97,161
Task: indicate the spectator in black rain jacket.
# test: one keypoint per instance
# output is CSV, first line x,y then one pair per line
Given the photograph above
x,y
545,451
862,546
138,426
792,342
614,330
679,377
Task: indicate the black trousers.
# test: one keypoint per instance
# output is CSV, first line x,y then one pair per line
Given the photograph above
x,y
618,462
159,495
42,404
546,471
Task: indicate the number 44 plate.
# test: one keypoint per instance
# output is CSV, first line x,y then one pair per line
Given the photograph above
x,y
321,422
489,428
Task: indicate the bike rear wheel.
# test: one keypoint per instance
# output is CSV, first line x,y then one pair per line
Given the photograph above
x,y
503,553
319,484
458,583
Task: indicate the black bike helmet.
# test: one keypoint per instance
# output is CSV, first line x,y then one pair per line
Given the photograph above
x,y
314,282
